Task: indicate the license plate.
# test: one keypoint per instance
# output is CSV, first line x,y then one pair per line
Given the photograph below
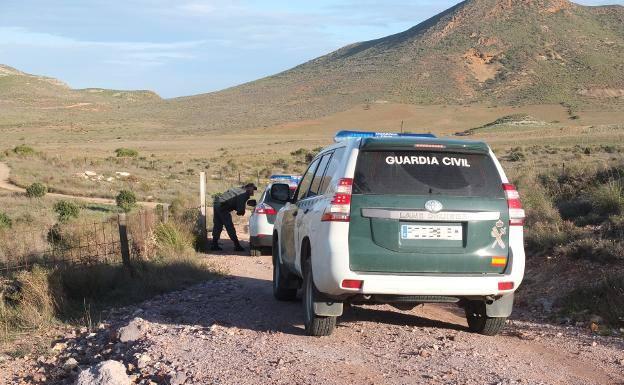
x,y
440,232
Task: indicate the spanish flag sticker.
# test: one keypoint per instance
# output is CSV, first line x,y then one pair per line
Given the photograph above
x,y
499,261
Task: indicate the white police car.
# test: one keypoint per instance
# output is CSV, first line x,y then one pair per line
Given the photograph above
x,y
263,216
402,220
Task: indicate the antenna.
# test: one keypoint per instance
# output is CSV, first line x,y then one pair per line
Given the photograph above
x,y
401,126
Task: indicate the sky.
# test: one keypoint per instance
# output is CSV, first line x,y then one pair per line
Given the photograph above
x,y
185,47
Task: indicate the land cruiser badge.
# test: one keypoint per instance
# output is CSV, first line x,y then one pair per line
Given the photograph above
x,y
497,233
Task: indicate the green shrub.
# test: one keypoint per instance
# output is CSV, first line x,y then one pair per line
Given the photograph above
x,y
542,238
613,228
126,200
5,221
24,150
66,210
126,153
170,236
36,190
605,299
608,199
593,249
516,155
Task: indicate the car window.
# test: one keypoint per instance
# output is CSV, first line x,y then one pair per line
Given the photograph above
x,y
331,170
318,176
427,173
304,185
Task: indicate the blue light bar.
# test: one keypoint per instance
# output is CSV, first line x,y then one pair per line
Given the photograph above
x,y
285,177
346,134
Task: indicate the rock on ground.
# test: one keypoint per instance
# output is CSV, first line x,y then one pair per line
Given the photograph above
x,y
105,373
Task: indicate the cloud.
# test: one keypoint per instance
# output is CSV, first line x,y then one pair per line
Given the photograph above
x,y
126,52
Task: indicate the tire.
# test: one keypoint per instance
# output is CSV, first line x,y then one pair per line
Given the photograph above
x,y
255,251
479,322
317,326
282,290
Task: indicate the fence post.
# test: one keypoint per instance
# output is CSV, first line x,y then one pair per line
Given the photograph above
x,y
202,209
123,240
165,218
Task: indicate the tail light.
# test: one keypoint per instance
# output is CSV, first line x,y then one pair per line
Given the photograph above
x,y
352,284
265,209
505,286
516,212
340,208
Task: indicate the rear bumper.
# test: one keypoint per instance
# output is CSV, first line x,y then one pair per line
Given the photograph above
x,y
331,267
425,285
261,240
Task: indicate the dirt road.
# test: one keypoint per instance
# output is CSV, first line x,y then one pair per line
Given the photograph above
x,y
232,331
5,184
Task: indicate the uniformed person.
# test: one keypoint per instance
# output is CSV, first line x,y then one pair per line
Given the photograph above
x,y
231,200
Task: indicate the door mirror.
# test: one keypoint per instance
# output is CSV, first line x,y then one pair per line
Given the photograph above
x,y
280,192
252,203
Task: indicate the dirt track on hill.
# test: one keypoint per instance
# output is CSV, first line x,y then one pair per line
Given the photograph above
x,y
231,331
5,184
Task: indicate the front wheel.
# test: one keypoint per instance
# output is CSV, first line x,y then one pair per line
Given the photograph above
x,y
282,287
479,322
315,325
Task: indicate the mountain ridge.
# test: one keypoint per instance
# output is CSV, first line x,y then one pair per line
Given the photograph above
x,y
508,52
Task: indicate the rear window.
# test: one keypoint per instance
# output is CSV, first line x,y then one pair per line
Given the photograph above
x,y
426,173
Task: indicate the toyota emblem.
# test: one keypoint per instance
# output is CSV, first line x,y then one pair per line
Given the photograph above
x,y
433,206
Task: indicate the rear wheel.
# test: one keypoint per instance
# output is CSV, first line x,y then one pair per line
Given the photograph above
x,y
314,325
282,287
479,322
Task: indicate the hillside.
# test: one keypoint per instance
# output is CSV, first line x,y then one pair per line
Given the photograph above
x,y
486,51
18,88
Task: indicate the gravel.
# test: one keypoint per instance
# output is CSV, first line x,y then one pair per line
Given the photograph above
x,y
231,331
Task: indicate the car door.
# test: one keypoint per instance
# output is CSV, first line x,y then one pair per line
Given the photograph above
x,y
307,205
291,210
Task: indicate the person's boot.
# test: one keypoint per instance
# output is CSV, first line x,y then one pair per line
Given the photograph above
x,y
238,247
215,247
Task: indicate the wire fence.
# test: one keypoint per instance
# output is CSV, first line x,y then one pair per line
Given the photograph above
x,y
82,242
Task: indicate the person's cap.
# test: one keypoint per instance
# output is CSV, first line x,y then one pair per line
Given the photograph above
x,y
250,186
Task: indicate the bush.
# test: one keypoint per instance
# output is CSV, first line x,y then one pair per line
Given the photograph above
x,y
126,153
605,299
170,236
24,150
516,155
5,221
608,199
593,249
126,200
29,301
66,210
36,190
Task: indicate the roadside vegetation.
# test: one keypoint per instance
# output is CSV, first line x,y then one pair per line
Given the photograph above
x,y
574,232
43,298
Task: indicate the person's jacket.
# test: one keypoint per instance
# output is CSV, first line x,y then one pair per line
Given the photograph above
x,y
233,199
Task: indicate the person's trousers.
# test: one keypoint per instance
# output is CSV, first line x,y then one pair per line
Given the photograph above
x,y
223,218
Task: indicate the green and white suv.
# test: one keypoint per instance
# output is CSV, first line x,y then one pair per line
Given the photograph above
x,y
402,220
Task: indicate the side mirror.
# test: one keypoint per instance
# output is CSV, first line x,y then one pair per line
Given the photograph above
x,y
252,203
280,192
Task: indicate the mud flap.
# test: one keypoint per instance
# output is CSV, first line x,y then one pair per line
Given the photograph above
x,y
501,307
327,308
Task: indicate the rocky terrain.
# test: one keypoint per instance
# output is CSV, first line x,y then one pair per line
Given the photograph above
x,y
232,331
